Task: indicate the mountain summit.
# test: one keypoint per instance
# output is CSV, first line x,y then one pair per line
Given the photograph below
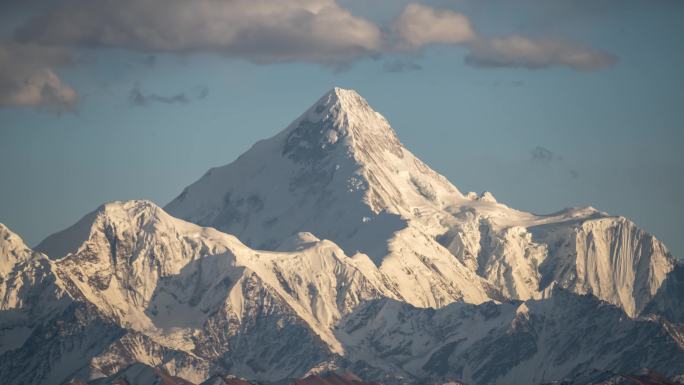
x,y
338,116
337,167
339,172
331,247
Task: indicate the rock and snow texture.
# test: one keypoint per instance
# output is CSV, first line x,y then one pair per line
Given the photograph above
x,y
12,251
203,296
607,256
193,299
331,246
155,273
340,173
28,290
532,342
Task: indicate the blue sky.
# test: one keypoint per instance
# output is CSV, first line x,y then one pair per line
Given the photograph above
x,y
540,130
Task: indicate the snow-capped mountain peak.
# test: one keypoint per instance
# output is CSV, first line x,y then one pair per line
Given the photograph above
x,y
12,250
341,134
331,246
340,173
164,277
340,152
109,218
340,114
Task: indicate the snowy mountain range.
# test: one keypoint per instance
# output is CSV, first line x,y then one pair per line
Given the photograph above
x,y
330,247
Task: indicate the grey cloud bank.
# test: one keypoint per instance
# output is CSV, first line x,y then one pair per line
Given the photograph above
x,y
261,31
420,25
518,51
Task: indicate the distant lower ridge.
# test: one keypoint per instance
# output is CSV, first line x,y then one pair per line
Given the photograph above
x,y
333,379
138,374
156,376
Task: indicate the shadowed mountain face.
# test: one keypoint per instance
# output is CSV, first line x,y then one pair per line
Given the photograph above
x,y
333,379
669,300
643,377
140,374
332,249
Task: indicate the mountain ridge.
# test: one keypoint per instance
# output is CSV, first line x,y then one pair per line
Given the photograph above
x,y
331,247
372,195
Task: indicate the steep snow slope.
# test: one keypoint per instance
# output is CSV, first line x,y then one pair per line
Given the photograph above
x,y
197,292
607,256
339,172
28,290
148,290
47,331
12,251
583,250
158,274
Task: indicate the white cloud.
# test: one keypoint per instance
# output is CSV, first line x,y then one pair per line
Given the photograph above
x,y
260,30
27,78
419,25
263,31
518,51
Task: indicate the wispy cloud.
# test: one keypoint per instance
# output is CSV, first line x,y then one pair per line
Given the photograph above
x,y
149,60
398,66
519,51
541,155
420,25
202,92
139,98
